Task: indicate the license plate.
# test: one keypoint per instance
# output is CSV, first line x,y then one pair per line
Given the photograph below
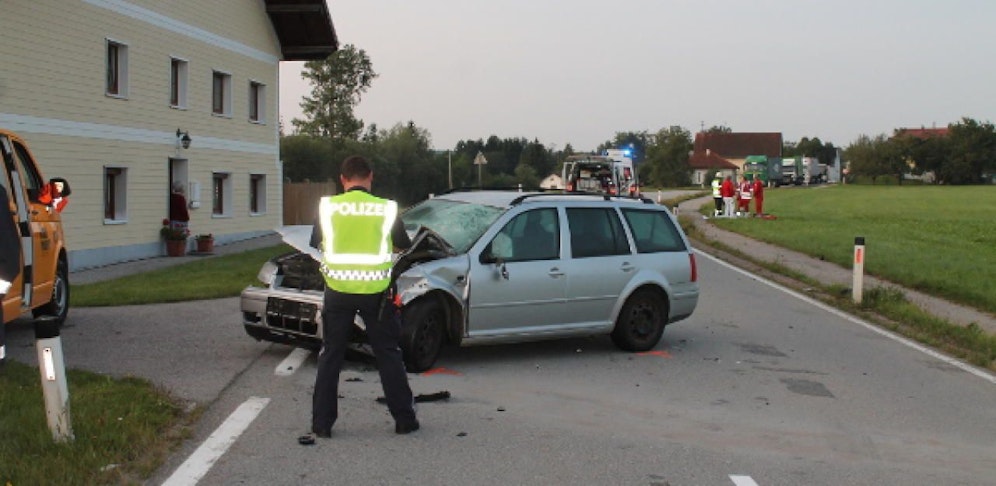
x,y
293,309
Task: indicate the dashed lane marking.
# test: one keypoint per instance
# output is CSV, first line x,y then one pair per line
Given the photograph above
x,y
895,337
200,462
292,362
742,480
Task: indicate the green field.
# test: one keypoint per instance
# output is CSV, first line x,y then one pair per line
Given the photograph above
x,y
940,240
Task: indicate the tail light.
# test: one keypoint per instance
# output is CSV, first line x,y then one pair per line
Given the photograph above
x,y
695,270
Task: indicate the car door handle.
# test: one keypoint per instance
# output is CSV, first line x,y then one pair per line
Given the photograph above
x,y
627,267
555,272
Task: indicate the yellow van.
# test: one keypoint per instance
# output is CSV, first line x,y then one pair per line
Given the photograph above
x,y
43,284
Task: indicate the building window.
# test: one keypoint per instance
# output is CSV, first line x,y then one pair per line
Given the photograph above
x,y
117,69
221,194
257,193
221,94
257,102
178,83
115,191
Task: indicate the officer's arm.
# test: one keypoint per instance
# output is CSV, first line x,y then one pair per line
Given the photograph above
x,y
316,235
399,236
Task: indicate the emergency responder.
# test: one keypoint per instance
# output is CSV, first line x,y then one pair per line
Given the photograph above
x,y
717,182
729,192
758,193
10,261
744,195
355,233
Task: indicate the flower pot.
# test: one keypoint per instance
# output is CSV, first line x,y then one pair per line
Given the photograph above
x,y
205,245
175,248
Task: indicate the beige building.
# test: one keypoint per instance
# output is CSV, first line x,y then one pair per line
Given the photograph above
x,y
106,92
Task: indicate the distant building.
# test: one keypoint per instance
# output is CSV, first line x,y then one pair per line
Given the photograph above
x,y
105,91
736,147
705,165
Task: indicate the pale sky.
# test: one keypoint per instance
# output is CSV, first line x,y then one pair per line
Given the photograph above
x,y
578,71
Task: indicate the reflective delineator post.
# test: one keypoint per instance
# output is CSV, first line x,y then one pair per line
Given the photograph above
x,y
675,210
52,368
859,268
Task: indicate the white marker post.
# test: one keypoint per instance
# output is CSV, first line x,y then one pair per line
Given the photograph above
x,y
52,368
859,268
675,210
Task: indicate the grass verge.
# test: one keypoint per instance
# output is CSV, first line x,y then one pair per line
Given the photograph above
x,y
210,278
124,428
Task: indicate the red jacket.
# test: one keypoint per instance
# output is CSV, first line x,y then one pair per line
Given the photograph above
x,y
758,189
727,189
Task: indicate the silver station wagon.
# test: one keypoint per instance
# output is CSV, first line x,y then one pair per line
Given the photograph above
x,y
491,267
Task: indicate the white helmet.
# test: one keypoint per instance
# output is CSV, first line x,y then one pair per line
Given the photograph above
x,y
719,175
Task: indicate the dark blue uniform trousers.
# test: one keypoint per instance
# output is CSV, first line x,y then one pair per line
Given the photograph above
x,y
383,332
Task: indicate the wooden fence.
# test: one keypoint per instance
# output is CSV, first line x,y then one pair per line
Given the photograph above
x,y
301,200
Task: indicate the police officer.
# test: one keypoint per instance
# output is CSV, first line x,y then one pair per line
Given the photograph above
x,y
717,196
10,261
355,233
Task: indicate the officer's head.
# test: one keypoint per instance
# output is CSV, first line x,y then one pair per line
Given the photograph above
x,y
355,171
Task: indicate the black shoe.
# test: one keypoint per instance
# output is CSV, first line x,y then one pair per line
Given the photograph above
x,y
309,438
406,427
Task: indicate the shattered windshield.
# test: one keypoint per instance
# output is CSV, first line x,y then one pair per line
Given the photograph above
x,y
459,223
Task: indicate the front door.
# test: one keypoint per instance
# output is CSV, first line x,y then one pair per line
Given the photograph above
x,y
516,284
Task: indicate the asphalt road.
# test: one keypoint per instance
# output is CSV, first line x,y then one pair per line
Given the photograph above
x,y
758,384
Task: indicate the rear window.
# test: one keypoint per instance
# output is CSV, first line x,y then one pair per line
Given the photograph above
x,y
653,231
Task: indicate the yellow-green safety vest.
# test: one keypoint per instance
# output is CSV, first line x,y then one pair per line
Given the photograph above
x,y
715,188
356,241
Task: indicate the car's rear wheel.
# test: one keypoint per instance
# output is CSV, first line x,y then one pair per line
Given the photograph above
x,y
422,333
58,307
641,322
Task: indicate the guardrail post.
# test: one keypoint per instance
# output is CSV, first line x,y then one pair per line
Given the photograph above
x,y
859,268
52,368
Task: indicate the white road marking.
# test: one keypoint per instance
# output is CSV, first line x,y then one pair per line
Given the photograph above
x,y
200,462
742,480
292,362
871,327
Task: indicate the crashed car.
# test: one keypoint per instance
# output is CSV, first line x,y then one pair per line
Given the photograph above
x,y
492,267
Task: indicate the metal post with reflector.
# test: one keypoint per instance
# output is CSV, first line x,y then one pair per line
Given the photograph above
x,y
52,368
859,269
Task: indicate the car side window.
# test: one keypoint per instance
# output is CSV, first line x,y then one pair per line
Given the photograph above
x,y
596,232
532,235
29,174
653,231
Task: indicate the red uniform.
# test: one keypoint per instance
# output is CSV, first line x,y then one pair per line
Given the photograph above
x,y
744,203
758,187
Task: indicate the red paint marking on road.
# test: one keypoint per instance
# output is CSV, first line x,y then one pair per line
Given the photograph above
x,y
662,354
441,371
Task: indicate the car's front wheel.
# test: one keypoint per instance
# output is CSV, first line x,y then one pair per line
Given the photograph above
x,y
422,332
641,322
58,306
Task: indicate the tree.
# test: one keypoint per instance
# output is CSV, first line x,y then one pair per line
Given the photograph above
x,y
875,157
972,146
337,84
667,158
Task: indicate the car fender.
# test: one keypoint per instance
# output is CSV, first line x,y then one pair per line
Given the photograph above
x,y
643,278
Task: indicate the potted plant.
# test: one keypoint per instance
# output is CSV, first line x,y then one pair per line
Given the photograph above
x,y
205,243
176,239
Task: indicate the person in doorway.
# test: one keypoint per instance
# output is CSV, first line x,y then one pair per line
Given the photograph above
x,y
55,194
179,217
729,192
355,234
743,196
758,192
10,261
717,197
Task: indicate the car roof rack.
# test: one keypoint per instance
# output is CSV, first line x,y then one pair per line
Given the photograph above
x,y
558,192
